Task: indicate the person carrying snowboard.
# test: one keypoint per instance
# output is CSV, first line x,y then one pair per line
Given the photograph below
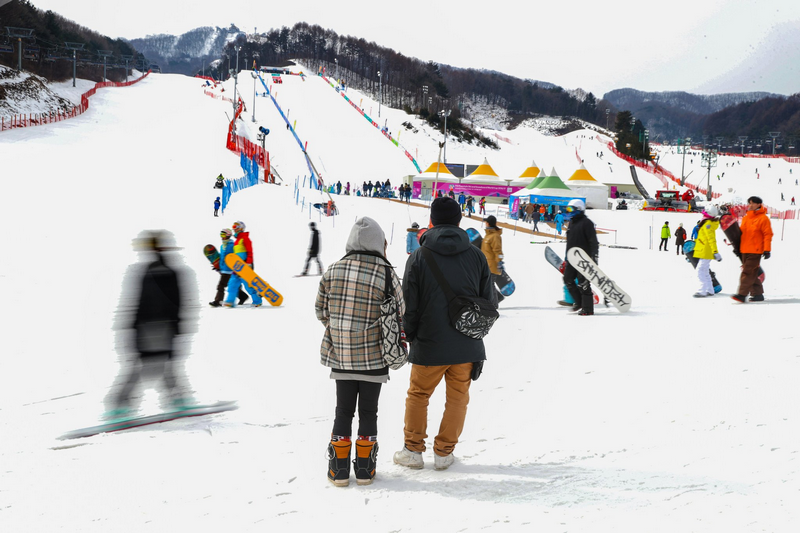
x,y
348,304
412,240
216,207
224,270
756,242
580,234
492,248
680,238
665,235
313,249
244,249
705,249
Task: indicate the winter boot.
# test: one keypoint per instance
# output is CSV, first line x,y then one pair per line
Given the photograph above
x,y
443,462
739,298
243,298
339,462
215,304
756,298
365,461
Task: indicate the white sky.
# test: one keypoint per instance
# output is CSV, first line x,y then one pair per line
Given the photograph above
x,y
680,45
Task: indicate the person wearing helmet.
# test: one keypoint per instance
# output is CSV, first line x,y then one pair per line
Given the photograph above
x,y
412,240
224,270
580,234
705,249
313,249
244,249
216,207
220,183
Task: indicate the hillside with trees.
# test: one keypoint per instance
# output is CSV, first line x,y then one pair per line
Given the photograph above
x,y
44,52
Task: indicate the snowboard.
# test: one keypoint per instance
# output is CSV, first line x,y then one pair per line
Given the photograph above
x,y
211,253
504,283
475,237
139,421
263,288
586,266
559,264
688,251
730,226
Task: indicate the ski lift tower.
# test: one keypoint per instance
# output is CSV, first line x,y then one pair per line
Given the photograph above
x,y
19,34
105,54
74,47
126,58
709,160
774,135
742,139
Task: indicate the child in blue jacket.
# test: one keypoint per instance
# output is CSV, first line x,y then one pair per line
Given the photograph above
x,y
412,242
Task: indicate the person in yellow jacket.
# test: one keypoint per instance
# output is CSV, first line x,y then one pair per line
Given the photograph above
x,y
492,248
756,242
705,249
665,235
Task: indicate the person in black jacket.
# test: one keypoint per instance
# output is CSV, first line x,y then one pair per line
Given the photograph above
x,y
580,234
437,349
154,310
313,249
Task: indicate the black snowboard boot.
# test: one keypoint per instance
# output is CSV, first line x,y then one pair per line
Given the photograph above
x,y
587,304
339,462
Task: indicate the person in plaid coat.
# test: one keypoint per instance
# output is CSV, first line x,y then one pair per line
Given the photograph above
x,y
348,305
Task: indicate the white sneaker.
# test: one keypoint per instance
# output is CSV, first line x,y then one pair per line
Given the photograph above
x,y
406,457
443,462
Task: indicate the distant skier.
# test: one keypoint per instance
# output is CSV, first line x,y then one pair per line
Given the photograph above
x,y
559,220
220,183
665,235
313,249
680,238
216,207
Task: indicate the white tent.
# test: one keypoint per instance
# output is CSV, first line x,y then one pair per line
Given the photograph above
x,y
484,175
583,184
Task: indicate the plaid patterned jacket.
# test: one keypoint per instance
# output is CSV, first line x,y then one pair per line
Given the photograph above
x,y
348,304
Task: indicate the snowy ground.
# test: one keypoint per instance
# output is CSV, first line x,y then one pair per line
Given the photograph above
x,y
681,415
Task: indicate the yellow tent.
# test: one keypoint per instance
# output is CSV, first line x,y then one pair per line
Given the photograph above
x,y
483,174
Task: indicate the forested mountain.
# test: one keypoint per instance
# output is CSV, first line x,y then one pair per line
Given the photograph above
x,y
44,52
185,54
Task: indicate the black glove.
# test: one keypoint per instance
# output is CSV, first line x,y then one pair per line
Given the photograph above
x,y
766,255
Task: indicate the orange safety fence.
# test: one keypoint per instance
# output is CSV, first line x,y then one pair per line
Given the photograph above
x,y
37,119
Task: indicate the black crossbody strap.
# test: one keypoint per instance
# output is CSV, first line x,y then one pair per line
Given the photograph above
x,y
448,292
389,287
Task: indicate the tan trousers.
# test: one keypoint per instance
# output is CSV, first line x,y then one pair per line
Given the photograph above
x,y
423,382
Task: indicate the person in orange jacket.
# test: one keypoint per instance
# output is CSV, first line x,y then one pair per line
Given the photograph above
x,y
756,242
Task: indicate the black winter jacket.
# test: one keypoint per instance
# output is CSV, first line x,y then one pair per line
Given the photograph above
x,y
313,247
434,342
581,234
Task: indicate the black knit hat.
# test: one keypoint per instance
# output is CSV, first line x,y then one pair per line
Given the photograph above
x,y
491,220
445,210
